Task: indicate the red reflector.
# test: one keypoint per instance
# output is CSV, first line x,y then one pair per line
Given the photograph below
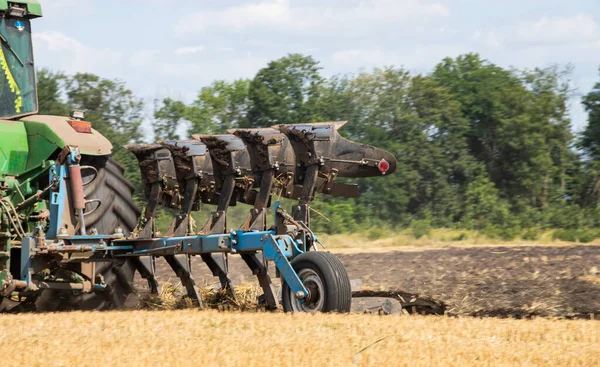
x,y
383,166
81,126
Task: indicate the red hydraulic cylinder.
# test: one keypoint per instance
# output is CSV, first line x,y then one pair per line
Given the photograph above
x,y
77,187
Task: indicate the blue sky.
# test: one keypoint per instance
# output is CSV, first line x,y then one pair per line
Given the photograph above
x,y
173,48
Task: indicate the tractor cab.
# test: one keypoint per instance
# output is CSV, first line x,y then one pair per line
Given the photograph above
x,y
18,94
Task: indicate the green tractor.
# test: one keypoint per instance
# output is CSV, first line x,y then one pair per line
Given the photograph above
x,y
31,146
71,237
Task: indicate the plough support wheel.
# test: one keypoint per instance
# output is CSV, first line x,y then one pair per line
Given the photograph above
x,y
325,277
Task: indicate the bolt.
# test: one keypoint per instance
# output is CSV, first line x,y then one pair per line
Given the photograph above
x,y
94,231
63,230
300,295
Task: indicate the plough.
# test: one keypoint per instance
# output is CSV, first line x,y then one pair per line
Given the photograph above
x,y
248,166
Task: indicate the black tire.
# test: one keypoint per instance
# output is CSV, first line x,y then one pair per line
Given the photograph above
x,y
325,277
117,209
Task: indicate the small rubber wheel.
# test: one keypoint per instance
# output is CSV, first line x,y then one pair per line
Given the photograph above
x,y
326,280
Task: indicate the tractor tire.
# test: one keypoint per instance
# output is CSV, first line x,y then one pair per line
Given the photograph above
x,y
326,279
117,209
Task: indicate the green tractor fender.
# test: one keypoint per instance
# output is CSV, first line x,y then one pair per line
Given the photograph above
x,y
30,145
54,132
29,142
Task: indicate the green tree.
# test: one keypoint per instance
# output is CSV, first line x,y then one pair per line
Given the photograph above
x,y
519,126
589,143
483,204
590,137
167,118
50,86
287,91
422,125
222,105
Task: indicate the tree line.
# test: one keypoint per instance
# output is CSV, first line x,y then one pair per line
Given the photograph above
x,y
478,146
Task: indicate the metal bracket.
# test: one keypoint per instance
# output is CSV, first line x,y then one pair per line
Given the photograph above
x,y
272,252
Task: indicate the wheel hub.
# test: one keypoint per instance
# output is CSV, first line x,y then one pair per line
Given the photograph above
x,y
314,302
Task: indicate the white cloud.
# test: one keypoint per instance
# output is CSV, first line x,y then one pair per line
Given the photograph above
x,y
275,12
68,3
188,50
363,57
282,14
56,41
418,59
141,58
244,67
574,31
66,8
57,50
580,28
489,39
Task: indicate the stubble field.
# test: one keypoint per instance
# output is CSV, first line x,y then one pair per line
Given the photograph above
x,y
211,338
541,299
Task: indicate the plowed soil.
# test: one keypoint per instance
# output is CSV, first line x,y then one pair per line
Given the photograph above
x,y
515,281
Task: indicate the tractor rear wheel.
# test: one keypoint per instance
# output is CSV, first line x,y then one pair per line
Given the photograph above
x,y
326,280
117,209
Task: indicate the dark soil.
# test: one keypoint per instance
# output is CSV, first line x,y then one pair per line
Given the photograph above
x,y
516,282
